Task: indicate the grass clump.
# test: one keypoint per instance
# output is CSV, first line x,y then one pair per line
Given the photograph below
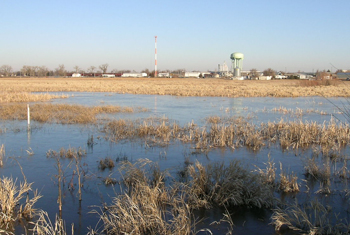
x,y
106,163
15,204
9,97
146,206
231,185
44,226
311,218
70,153
288,182
59,113
2,155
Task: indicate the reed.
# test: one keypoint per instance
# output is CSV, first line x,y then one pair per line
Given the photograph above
x,y
60,113
44,226
231,185
312,218
70,153
2,155
106,163
269,173
147,206
319,173
288,182
176,86
10,97
235,133
13,208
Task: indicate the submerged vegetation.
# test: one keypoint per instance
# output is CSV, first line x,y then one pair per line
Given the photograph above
x,y
234,133
13,208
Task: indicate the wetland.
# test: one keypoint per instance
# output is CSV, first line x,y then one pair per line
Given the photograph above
x,y
111,162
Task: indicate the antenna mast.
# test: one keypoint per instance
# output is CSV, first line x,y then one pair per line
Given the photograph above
x,y
155,57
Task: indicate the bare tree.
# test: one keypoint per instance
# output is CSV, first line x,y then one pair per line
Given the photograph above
x,y
145,71
103,67
43,71
91,69
322,75
76,69
6,70
269,72
60,71
254,73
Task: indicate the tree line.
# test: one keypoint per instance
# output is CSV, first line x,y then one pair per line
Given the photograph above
x,y
61,71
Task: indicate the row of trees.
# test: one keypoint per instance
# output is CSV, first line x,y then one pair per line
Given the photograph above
x,y
43,71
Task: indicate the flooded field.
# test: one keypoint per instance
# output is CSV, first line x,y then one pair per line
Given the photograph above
x,y
182,137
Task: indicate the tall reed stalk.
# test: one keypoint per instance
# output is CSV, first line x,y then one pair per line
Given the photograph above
x,y
2,155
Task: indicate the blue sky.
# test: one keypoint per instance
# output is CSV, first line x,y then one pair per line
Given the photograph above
x,y
305,35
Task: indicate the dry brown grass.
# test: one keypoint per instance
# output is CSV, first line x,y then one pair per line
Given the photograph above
x,y
59,113
44,226
312,218
12,207
231,185
288,182
175,86
235,133
147,206
106,163
71,153
2,155
17,96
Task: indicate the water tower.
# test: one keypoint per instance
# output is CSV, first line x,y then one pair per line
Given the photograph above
x,y
237,62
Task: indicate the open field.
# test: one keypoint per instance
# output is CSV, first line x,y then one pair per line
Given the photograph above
x,y
180,86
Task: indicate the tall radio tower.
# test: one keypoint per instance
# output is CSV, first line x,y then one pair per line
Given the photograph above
x,y
155,57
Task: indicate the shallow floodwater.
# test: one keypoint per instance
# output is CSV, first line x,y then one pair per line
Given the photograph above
x,y
19,142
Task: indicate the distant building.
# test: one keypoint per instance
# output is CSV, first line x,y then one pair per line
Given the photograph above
x,y
197,74
265,78
134,75
164,75
108,75
76,75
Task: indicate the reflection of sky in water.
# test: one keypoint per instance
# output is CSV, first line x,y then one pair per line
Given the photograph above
x,y
186,109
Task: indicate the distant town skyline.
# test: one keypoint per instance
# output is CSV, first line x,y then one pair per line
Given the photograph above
x,y
192,35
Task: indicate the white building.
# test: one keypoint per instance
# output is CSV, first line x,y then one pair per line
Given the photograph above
x,y
76,75
134,75
164,75
195,74
108,75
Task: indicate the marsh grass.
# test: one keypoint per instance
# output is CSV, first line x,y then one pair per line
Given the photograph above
x,y
311,218
231,185
175,86
15,203
288,182
70,153
234,132
60,113
269,173
320,173
2,155
146,206
10,97
323,82
44,226
106,163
